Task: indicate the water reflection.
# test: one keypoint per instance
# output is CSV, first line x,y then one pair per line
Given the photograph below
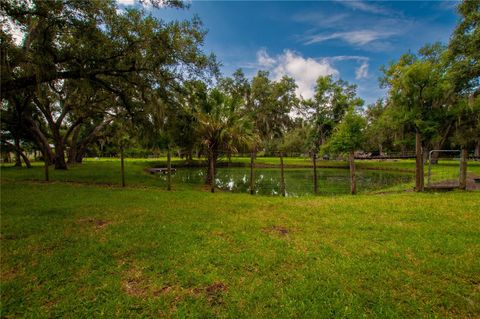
x,y
298,182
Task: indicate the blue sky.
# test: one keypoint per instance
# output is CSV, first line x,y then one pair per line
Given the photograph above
x,y
348,39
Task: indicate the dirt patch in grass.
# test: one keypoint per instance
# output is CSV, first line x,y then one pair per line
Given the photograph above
x,y
135,284
97,223
8,275
212,289
279,230
213,292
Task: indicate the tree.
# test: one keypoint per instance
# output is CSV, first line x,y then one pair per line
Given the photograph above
x,y
463,57
332,99
348,137
73,47
270,105
422,97
464,49
221,128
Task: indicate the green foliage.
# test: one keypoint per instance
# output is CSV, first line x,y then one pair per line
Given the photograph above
x,y
220,125
464,49
348,136
332,100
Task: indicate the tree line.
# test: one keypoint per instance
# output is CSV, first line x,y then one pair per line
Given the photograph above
x,y
87,78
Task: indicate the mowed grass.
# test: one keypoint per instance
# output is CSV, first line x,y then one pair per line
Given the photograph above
x,y
85,251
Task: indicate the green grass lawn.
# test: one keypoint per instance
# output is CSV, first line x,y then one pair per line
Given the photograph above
x,y
85,251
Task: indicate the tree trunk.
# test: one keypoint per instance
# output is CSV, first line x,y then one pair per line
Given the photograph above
x,y
477,149
353,182
212,157
463,169
19,153
60,162
72,150
40,138
26,160
79,157
441,144
189,156
419,178
122,166
18,160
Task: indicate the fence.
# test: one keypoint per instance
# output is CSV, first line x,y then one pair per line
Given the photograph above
x,y
302,174
447,169
284,175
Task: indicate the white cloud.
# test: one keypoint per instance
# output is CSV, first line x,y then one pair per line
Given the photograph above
x,y
264,59
360,37
362,71
126,2
321,19
305,71
365,6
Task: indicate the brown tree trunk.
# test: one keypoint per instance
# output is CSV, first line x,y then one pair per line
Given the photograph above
x,y
353,182
40,139
18,160
19,153
60,162
79,157
419,178
72,150
477,149
212,165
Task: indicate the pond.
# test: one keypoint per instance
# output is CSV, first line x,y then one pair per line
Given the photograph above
x,y
298,181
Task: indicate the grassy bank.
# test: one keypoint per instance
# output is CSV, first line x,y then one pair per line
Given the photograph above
x,y
106,171
90,251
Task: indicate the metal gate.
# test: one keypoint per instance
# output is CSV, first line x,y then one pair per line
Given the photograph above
x,y
444,169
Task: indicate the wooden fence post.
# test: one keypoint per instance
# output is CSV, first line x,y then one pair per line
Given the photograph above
x,y
212,174
419,179
122,165
463,169
315,183
282,176
251,173
169,171
353,182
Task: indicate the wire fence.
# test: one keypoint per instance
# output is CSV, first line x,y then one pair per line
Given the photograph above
x,y
444,169
277,174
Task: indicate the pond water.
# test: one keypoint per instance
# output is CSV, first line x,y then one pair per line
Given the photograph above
x,y
298,181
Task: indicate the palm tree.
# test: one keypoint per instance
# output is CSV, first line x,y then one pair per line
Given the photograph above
x,y
222,128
